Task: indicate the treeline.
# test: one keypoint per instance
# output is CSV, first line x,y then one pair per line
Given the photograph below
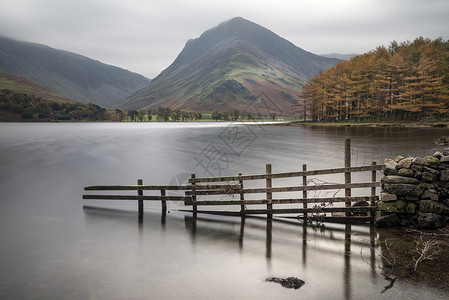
x,y
36,108
164,114
407,81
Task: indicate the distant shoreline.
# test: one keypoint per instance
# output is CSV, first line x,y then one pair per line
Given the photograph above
x,y
371,124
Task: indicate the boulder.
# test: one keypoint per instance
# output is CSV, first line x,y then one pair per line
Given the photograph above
x,y
388,197
429,195
402,189
438,154
404,163
398,179
444,175
430,221
444,159
398,206
430,170
416,168
398,158
430,206
390,167
418,161
406,173
430,161
389,220
429,177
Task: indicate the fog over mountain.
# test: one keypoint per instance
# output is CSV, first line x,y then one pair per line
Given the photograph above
x,y
68,74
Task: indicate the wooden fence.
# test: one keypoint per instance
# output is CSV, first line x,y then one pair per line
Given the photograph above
x,y
233,191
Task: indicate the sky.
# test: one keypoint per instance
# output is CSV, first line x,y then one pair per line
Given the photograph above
x,y
146,36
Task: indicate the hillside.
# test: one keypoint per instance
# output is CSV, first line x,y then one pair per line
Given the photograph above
x,y
236,65
68,74
19,84
404,82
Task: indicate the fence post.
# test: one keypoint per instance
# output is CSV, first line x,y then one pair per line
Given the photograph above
x,y
242,195
192,176
163,202
373,191
140,201
269,193
348,174
304,193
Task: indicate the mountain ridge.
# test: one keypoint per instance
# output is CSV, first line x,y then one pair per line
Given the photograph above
x,y
69,74
237,50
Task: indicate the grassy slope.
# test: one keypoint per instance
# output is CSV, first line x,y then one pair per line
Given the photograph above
x,y
19,84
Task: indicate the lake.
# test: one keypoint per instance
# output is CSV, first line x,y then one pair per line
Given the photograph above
x,y
54,245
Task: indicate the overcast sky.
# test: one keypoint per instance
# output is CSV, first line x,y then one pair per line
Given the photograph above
x,y
145,36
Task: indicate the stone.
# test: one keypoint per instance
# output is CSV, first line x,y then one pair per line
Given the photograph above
x,y
418,161
390,167
389,220
398,179
438,154
430,161
402,189
429,195
444,159
388,197
418,175
428,177
404,163
430,206
430,221
398,158
444,175
442,192
398,206
406,173
430,170
411,198
426,185
290,282
416,168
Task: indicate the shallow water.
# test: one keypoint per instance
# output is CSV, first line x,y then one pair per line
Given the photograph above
x,y
57,246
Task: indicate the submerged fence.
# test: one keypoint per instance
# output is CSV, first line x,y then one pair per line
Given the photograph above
x,y
234,191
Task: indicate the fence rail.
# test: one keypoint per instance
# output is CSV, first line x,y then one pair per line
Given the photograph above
x,y
360,208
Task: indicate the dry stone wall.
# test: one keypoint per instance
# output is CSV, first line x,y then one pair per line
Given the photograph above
x,y
415,192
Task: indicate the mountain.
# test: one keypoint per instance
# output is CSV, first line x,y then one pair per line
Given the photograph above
x,y
236,65
17,84
68,74
340,56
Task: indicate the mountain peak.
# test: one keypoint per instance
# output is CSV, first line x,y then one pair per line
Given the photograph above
x,y
228,66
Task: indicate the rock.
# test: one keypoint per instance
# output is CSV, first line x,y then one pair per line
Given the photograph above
x,y
418,161
416,168
398,179
388,197
398,158
430,221
390,167
398,206
444,159
404,163
426,185
411,198
429,195
428,177
444,175
406,173
430,206
359,204
430,170
402,189
418,175
290,282
442,192
438,154
389,220
430,161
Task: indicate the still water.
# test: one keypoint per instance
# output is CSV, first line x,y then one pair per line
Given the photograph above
x,y
54,245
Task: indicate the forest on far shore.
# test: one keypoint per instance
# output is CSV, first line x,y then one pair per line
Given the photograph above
x,y
404,82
